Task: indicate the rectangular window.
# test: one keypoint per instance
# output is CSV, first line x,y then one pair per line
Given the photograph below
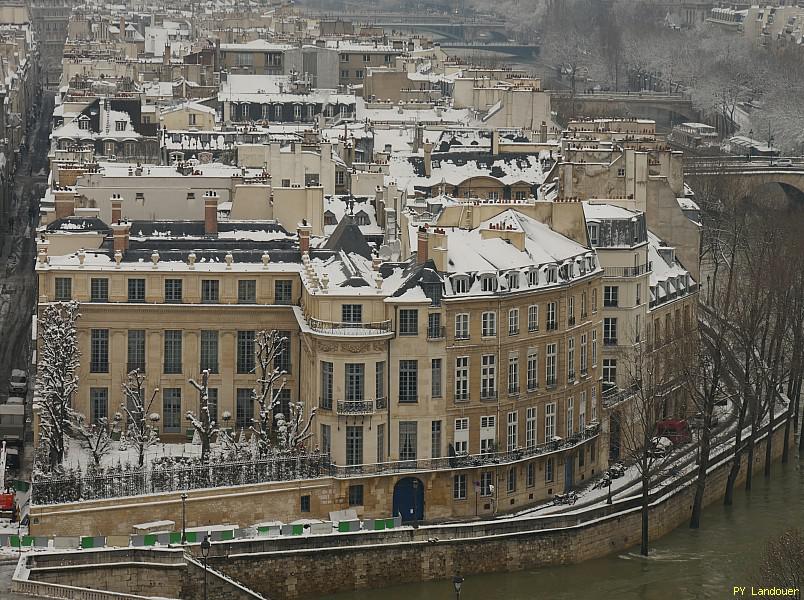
x,y
212,401
408,321
354,383
136,290
512,431
552,319
489,324
530,427
98,404
244,409
461,436
459,487
462,378
593,399
327,378
582,412
407,440
549,421
638,294
283,291
594,300
173,291
210,291
379,383
247,291
381,442
408,380
352,313
488,376
570,311
488,434
171,409
98,289
435,378
326,439
550,364
136,351
584,366
511,480
173,349
434,329
305,504
283,354
570,416
533,317
513,321
462,326
486,483
99,351
513,374
533,369
354,444
611,295
356,495
594,347
245,352
610,370
530,480
571,360
610,331
64,289
548,470
209,351
435,439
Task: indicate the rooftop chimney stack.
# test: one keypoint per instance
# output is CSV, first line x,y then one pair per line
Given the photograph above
x,y
421,246
303,231
117,208
210,213
120,231
428,159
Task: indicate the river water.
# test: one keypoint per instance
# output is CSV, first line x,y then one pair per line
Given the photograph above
x,y
683,565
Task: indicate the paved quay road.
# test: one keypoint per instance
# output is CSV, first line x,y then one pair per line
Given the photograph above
x,y
6,573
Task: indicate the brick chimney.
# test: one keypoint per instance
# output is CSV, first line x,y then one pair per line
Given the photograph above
x,y
428,159
421,246
543,133
210,213
65,203
122,26
117,208
120,232
166,55
304,230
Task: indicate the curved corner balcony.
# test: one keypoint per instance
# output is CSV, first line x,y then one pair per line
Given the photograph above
x,y
355,407
349,329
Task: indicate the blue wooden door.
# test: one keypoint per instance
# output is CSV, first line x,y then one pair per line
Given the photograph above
x,y
409,499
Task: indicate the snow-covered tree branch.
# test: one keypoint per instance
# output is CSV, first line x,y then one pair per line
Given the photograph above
x,y
57,376
203,423
141,432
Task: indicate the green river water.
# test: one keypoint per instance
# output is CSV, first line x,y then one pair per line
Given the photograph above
x,y
685,564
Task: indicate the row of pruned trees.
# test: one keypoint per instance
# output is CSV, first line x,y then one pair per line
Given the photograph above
x,y
275,429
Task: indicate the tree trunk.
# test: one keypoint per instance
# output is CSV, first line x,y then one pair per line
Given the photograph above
x,y
643,548
734,471
749,474
703,465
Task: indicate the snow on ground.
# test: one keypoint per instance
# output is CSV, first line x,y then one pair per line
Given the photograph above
x,y
76,456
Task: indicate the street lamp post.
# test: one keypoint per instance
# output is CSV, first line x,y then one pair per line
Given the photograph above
x,y
750,144
457,582
205,546
608,498
183,518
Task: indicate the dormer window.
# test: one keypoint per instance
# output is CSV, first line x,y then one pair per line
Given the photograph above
x,y
593,234
329,218
488,283
552,275
83,122
533,278
119,125
361,218
512,279
460,285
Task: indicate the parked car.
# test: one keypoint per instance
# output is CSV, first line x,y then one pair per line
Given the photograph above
x,y
676,430
18,381
784,162
660,447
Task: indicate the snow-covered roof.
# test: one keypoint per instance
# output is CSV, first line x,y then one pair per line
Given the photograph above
x,y
264,89
256,46
595,211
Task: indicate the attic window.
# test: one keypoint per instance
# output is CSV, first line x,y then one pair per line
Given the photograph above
x,y
119,125
361,218
488,283
329,219
593,234
513,280
533,278
83,123
460,285
552,275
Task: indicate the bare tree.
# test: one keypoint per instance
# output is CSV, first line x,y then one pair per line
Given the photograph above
x,y
95,438
638,418
268,389
782,562
57,376
293,430
141,432
204,425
